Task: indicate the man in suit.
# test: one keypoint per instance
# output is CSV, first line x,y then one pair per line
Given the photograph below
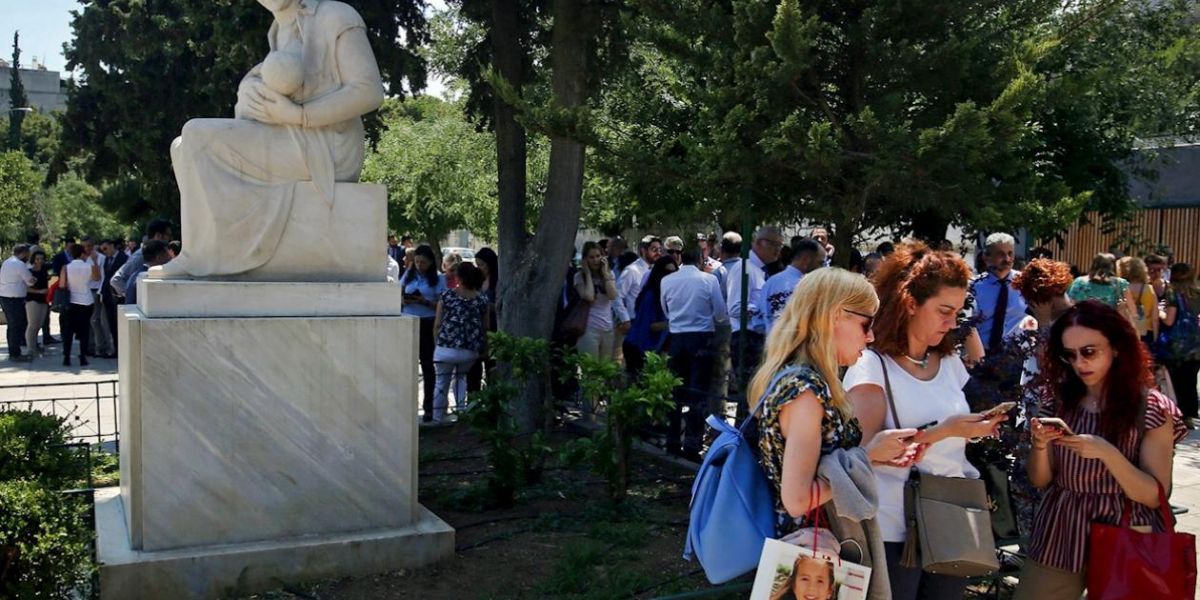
x,y
113,263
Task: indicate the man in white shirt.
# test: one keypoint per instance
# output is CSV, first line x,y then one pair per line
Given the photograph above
x,y
746,344
694,305
807,256
15,279
629,285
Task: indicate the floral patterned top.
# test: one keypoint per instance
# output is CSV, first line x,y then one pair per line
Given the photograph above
x,y
462,321
1112,294
836,432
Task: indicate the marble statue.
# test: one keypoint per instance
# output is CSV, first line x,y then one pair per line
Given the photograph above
x,y
297,122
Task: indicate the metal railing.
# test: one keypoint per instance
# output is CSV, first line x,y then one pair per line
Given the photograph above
x,y
90,408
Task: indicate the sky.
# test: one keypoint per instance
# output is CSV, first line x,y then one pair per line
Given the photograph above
x,y
45,25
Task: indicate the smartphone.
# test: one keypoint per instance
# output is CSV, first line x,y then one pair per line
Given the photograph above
x,y
927,425
1056,423
999,409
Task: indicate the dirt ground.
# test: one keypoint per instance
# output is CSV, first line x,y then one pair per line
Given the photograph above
x,y
562,539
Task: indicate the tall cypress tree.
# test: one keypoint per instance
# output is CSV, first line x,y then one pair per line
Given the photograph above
x,y
16,97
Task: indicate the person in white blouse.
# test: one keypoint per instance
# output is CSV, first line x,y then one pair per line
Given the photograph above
x,y
77,278
920,292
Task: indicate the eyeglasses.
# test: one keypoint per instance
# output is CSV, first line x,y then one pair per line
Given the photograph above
x,y
1088,353
870,320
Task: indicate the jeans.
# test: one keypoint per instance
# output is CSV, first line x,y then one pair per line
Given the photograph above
x,y
690,359
598,343
35,313
912,583
14,312
451,365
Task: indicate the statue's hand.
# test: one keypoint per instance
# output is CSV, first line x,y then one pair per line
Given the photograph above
x,y
261,103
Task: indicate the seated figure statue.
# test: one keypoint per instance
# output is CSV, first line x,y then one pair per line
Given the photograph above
x,y
298,120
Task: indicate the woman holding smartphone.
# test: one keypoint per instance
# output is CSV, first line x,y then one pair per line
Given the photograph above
x,y
1104,436
921,292
423,286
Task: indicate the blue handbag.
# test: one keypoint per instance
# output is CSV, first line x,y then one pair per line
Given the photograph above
x,y
732,512
1181,341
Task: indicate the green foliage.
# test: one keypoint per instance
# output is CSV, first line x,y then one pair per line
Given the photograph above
x,y
19,181
16,94
45,545
147,66
74,207
31,449
644,402
515,460
40,133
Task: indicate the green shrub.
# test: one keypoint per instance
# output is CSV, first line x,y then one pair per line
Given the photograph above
x,y
631,407
31,448
44,542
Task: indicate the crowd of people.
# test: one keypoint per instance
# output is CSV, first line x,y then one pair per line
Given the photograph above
x,y
84,283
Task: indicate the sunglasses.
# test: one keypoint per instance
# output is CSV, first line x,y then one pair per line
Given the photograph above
x,y
1086,353
867,325
680,252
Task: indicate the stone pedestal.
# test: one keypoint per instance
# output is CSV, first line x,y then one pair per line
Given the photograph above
x,y
257,447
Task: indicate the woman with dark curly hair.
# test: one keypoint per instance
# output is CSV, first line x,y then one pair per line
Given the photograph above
x,y
920,292
1104,436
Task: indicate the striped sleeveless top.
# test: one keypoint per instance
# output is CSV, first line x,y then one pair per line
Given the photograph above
x,y
1083,491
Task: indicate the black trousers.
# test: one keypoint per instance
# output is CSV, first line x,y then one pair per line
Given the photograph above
x,y
77,324
425,356
691,359
14,313
745,352
1183,377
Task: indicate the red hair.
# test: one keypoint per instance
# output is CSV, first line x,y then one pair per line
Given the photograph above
x,y
913,273
1127,380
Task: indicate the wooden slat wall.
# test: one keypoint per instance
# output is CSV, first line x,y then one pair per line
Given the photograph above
x,y
1178,228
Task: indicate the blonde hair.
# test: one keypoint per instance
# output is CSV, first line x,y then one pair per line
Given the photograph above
x,y
1133,270
803,333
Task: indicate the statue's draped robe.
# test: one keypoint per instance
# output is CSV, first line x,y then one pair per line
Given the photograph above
x,y
237,178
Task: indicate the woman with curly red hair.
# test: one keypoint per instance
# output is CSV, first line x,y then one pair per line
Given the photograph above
x,y
1104,436
921,292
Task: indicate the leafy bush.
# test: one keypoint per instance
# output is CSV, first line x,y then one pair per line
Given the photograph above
x,y
44,542
645,402
31,448
515,461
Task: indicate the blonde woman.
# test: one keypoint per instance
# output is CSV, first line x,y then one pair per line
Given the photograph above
x,y
1145,300
824,326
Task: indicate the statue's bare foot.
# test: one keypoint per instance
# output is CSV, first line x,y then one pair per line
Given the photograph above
x,y
171,270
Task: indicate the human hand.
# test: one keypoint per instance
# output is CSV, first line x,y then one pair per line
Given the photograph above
x,y
265,105
624,327
890,445
971,425
1044,432
1088,446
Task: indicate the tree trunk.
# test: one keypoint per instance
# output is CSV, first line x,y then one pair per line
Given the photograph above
x,y
532,269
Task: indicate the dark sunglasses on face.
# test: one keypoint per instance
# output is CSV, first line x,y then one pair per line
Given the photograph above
x,y
870,320
675,252
1086,353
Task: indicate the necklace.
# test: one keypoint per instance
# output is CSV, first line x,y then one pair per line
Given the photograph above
x,y
923,362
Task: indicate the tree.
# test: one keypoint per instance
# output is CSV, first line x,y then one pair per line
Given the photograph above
x,y
146,67
16,96
19,182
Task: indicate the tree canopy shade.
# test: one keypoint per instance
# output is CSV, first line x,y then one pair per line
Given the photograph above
x,y
871,113
147,66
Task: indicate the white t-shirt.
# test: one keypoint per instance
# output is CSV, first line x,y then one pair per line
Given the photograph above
x,y
79,282
917,402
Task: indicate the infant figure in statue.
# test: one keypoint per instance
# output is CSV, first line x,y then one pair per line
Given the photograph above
x,y
298,121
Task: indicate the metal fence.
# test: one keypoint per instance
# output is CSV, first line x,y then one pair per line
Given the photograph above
x,y
90,408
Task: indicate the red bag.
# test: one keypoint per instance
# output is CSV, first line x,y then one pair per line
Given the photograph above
x,y
1124,564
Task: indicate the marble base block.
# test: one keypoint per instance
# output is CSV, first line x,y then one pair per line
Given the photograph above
x,y
343,242
223,571
252,429
159,298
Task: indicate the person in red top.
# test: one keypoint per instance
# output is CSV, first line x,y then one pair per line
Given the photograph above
x,y
1104,436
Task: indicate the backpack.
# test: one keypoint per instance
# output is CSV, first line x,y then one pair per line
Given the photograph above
x,y
732,512
1180,341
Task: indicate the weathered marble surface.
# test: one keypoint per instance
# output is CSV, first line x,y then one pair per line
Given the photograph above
x,y
211,299
249,429
240,569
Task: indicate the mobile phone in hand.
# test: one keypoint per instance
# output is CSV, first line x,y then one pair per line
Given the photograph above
x,y
998,410
1056,423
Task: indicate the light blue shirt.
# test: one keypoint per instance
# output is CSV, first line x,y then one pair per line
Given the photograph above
x,y
776,293
692,301
431,293
987,291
